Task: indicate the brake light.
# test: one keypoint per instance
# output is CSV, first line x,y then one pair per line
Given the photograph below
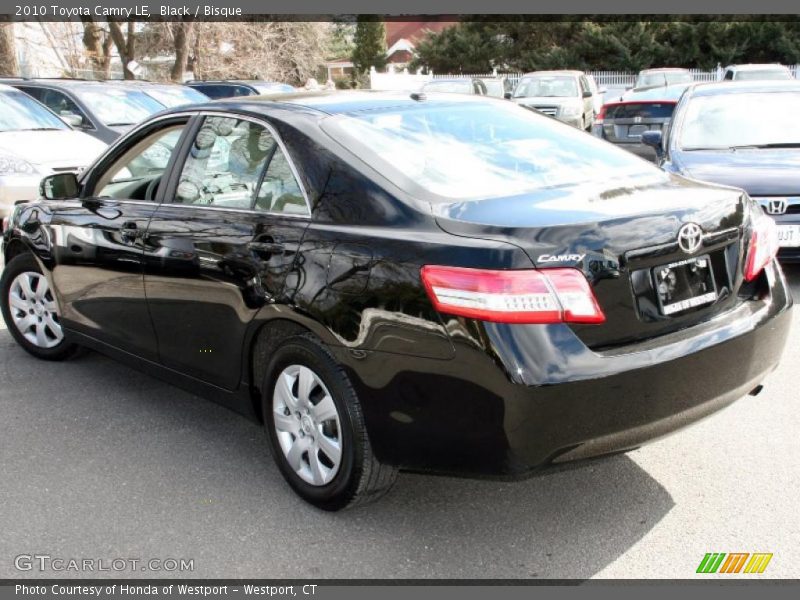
x,y
5,224
600,116
520,296
763,246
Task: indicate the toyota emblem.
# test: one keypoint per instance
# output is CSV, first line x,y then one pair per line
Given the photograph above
x,y
690,237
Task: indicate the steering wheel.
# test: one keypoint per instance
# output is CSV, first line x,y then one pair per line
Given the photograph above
x,y
152,188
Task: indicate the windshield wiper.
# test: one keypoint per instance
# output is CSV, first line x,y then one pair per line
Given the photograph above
x,y
775,145
119,124
693,148
41,129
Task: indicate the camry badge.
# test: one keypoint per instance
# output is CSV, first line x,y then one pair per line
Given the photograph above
x,y
544,258
690,237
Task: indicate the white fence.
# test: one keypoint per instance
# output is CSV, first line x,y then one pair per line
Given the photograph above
x,y
403,80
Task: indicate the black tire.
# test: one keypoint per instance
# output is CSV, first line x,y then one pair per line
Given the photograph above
x,y
360,478
20,264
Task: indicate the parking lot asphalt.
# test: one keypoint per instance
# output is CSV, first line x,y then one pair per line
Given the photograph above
x,y
99,461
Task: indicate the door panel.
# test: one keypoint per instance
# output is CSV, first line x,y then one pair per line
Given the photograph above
x,y
98,272
99,242
208,272
223,247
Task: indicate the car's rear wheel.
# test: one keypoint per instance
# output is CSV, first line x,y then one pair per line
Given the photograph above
x,y
30,310
316,428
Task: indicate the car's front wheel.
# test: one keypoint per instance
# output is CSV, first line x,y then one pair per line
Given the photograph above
x,y
316,428
30,310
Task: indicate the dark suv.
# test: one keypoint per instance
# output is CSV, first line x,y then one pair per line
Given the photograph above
x,y
235,88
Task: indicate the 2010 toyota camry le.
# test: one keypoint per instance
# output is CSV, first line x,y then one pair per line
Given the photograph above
x,y
392,281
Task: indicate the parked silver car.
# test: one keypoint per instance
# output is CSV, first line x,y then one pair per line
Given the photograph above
x,y
752,72
565,95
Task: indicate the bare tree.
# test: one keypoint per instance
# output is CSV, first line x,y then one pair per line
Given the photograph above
x,y
284,51
98,44
182,33
126,45
9,67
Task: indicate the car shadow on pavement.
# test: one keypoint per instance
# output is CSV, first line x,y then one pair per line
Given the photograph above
x,y
99,460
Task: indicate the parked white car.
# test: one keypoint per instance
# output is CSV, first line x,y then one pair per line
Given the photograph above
x,y
753,72
34,142
564,95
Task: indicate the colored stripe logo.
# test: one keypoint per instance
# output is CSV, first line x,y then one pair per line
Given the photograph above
x,y
734,562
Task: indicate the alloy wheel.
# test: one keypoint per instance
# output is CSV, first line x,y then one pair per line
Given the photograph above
x,y
307,424
34,311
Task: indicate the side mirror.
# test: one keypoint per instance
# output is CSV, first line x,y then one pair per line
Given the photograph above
x,y
654,140
507,95
72,119
587,94
60,186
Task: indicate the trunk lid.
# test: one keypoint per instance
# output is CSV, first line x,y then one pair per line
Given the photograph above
x,y
627,121
617,236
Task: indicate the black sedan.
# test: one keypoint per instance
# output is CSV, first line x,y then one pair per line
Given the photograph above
x,y
387,281
747,135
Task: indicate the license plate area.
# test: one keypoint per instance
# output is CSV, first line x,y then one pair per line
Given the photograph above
x,y
789,236
684,285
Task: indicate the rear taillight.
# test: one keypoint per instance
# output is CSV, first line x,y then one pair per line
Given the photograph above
x,y
524,296
598,120
5,224
763,245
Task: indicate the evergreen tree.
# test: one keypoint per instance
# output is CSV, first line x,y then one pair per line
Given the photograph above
x,y
369,45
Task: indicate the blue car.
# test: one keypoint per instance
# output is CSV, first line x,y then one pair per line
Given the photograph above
x,y
745,135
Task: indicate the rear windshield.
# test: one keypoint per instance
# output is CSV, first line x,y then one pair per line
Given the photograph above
x,y
457,87
762,74
661,78
644,110
481,149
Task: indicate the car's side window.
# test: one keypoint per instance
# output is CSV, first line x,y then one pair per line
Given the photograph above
x,y
728,75
279,191
137,174
61,104
237,163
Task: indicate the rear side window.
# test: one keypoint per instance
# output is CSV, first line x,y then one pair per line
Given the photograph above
x,y
645,110
237,163
471,149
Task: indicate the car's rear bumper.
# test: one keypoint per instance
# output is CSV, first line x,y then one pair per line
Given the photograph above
x,y
477,414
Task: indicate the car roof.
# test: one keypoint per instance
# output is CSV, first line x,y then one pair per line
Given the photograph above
x,y
451,79
555,72
58,82
338,101
757,67
668,93
663,69
740,87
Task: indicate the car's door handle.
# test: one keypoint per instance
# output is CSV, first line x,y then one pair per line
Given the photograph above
x,y
129,231
266,247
